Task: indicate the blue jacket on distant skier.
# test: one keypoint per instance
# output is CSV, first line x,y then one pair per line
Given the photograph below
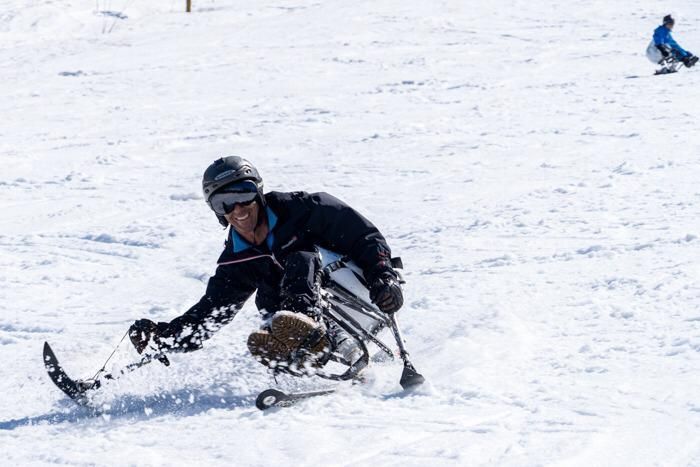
x,y
662,36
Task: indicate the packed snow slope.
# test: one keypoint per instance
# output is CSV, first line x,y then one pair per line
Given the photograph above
x,y
546,207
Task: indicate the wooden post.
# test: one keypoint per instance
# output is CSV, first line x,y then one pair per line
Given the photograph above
x,y
189,6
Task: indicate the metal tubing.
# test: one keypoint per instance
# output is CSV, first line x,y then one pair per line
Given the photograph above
x,y
394,325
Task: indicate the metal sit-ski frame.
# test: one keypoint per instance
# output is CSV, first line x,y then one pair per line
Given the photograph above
x,y
363,321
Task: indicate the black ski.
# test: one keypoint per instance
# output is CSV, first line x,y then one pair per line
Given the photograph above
x,y
274,398
665,71
69,386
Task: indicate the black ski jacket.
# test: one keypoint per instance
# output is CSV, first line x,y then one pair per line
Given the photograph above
x,y
298,221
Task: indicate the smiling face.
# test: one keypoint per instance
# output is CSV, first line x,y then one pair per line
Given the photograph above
x,y
244,218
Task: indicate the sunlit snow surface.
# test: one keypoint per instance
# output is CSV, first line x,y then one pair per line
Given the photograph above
x,y
546,206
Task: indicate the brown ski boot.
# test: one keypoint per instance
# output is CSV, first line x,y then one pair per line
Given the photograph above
x,y
267,349
305,337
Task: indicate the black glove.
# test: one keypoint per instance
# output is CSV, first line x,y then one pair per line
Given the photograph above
x,y
144,333
664,50
385,290
690,60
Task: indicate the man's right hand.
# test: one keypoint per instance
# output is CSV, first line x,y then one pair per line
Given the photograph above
x,y
145,332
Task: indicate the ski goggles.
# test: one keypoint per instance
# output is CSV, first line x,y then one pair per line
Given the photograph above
x,y
224,201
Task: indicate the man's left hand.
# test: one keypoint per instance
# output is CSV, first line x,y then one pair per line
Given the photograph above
x,y
690,60
385,292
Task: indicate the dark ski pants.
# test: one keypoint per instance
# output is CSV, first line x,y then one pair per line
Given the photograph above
x,y
301,284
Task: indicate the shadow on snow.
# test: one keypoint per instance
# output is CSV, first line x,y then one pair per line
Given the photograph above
x,y
185,402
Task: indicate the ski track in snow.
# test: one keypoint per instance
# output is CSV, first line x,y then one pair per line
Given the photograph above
x,y
546,209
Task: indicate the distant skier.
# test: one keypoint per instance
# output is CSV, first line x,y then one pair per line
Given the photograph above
x,y
664,50
271,248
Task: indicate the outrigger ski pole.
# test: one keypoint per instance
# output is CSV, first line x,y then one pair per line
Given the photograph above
x,y
409,377
76,389
147,358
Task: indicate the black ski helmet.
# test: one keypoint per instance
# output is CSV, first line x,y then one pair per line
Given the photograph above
x,y
668,19
229,170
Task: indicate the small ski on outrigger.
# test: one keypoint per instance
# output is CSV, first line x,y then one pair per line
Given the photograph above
x,y
78,389
69,386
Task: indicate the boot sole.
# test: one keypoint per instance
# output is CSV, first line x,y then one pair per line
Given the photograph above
x,y
267,349
294,328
